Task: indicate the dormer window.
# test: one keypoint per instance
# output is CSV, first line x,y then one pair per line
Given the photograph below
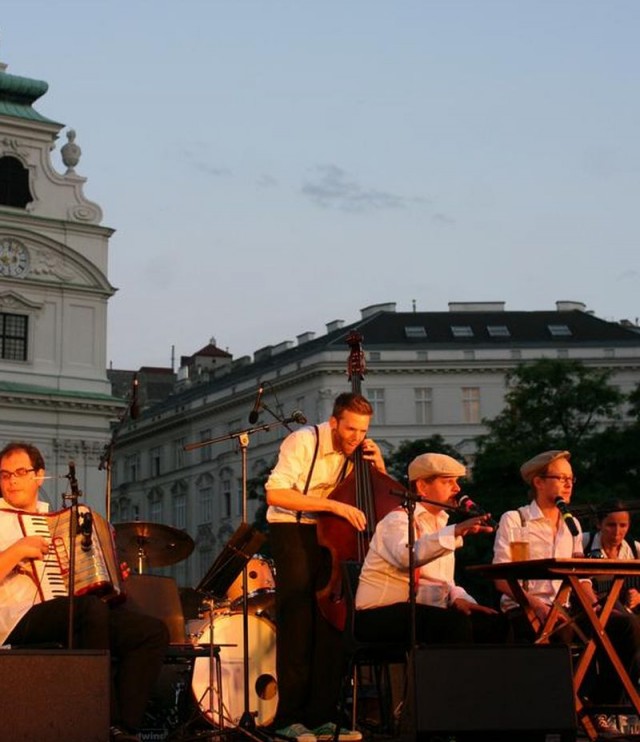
x,y
559,331
415,331
462,331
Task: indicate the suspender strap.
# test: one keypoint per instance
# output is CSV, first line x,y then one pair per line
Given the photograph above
x,y
313,463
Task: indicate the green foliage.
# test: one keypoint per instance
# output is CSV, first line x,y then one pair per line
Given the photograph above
x,y
551,404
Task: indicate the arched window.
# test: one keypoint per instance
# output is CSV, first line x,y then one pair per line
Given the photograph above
x,y
14,183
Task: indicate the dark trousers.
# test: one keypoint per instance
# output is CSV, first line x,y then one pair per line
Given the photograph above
x,y
308,649
137,644
433,625
602,684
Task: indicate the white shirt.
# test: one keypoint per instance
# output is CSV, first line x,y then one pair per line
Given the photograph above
x,y
596,545
384,578
542,545
18,592
294,463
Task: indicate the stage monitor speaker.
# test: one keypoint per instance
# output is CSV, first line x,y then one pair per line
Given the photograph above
x,y
493,692
54,695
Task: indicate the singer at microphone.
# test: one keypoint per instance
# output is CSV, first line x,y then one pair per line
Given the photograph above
x,y
566,516
253,415
469,507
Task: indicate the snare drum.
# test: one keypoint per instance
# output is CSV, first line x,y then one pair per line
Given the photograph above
x,y
261,651
260,586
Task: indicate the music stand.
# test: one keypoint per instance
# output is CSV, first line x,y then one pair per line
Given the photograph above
x,y
242,545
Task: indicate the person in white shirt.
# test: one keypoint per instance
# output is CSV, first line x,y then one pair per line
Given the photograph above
x,y
611,540
137,642
445,612
312,462
550,477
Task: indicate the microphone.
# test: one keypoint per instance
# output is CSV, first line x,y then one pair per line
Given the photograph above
x,y
469,507
253,415
297,417
134,407
72,471
566,516
86,527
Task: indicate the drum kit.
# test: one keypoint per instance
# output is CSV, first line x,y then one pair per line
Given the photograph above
x,y
234,673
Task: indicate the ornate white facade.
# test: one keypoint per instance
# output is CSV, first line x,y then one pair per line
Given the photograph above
x,y
54,292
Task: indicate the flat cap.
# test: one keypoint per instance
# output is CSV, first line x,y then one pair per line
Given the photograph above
x,y
535,465
435,465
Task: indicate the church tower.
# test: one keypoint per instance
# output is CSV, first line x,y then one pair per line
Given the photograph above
x,y
54,292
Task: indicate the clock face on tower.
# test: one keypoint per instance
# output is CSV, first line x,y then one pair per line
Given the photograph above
x,y
14,258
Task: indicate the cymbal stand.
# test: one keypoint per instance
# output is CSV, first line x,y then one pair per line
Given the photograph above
x,y
247,722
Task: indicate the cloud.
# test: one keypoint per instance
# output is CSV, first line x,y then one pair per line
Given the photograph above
x,y
196,160
331,188
266,181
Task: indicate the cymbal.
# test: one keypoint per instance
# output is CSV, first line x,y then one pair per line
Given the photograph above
x,y
159,545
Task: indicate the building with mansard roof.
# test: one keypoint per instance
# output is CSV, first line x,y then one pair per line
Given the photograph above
x,y
54,291
426,373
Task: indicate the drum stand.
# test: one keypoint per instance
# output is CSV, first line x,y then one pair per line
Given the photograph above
x,y
247,723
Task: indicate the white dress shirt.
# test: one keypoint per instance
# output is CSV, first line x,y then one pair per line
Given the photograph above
x,y
384,578
18,591
294,463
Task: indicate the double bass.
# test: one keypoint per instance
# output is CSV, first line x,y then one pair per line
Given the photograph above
x,y
366,488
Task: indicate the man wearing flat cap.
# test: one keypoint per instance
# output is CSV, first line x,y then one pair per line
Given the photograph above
x,y
445,612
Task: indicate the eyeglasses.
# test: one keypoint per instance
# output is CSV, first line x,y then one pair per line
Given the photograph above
x,y
560,478
5,475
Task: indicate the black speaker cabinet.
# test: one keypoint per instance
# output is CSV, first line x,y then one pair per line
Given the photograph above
x,y
54,695
492,693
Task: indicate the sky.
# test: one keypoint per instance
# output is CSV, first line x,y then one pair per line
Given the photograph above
x,y
273,165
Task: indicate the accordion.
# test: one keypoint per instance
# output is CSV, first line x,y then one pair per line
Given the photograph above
x,y
96,567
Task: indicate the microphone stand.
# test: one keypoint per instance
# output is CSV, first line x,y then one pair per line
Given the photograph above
x,y
247,723
73,530
130,412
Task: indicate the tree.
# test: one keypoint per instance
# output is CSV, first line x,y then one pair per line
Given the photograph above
x,y
550,404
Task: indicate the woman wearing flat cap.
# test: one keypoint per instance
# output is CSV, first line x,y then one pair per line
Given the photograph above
x,y
550,477
445,612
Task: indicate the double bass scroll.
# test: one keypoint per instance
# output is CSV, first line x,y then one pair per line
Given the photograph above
x,y
366,488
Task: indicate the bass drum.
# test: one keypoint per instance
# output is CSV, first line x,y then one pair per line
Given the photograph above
x,y
263,686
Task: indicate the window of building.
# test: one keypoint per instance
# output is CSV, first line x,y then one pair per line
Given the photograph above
x,y
14,183
375,355
498,331
131,468
179,507
559,331
469,355
415,331
562,353
13,336
422,355
205,504
423,400
471,404
178,453
225,492
155,461
516,354
376,398
206,452
461,331
609,352
155,506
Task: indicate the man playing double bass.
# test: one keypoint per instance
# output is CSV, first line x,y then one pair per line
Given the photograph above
x,y
312,462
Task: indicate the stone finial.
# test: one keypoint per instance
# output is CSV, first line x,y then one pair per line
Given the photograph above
x,y
71,152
